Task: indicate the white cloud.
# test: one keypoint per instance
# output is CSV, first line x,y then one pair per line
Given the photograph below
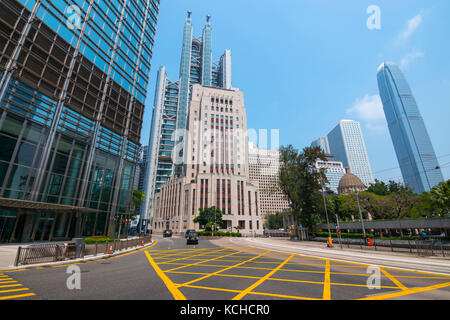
x,y
409,58
370,110
411,27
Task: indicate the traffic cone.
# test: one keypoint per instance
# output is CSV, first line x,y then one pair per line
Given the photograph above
x,y
142,242
110,249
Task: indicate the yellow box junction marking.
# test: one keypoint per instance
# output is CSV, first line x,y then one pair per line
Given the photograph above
x,y
9,285
392,278
250,290
257,283
407,292
169,284
326,282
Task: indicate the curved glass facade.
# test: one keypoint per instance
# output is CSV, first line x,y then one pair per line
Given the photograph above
x,y
415,153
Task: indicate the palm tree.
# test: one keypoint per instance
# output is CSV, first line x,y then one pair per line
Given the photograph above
x,y
439,197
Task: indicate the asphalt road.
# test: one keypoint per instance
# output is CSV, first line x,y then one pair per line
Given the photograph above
x,y
221,270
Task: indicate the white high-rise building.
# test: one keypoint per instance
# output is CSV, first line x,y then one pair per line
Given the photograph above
x,y
347,145
264,166
334,170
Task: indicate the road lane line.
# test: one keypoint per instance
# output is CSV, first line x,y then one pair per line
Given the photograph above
x,y
326,282
407,292
392,278
13,290
169,284
281,296
17,296
257,283
195,255
213,289
11,285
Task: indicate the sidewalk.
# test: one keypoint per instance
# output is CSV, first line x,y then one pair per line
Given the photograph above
x,y
8,254
381,258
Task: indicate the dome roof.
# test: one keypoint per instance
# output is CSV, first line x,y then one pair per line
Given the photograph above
x,y
350,181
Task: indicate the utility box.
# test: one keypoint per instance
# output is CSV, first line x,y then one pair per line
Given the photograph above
x,y
79,242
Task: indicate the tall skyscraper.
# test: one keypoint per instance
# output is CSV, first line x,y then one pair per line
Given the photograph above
x,y
217,173
416,157
323,144
171,106
347,145
264,166
72,94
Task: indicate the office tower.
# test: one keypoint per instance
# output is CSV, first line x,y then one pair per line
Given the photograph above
x,y
72,93
323,144
334,170
171,106
415,154
217,173
264,166
142,166
347,144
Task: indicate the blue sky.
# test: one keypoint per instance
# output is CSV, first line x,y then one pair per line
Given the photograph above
x,y
303,65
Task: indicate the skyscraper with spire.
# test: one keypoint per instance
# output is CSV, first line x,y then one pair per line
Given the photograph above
x,y
167,154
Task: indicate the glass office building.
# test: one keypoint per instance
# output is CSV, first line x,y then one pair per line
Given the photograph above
x,y
416,157
171,106
323,144
72,93
347,144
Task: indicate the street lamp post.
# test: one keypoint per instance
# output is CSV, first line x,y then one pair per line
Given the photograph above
x,y
360,214
339,233
326,211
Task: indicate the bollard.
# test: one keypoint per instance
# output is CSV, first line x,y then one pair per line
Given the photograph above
x,y
16,263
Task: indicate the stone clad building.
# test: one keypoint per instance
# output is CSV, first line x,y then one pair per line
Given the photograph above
x,y
264,166
215,172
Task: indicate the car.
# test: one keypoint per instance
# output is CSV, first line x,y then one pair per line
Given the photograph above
x,y
192,238
188,232
167,233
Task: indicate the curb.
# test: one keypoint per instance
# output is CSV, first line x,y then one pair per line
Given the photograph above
x,y
78,261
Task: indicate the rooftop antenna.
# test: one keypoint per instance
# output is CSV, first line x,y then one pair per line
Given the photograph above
x,y
189,14
208,17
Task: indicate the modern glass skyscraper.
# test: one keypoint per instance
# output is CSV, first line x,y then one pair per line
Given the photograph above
x,y
347,144
171,106
416,157
73,82
323,144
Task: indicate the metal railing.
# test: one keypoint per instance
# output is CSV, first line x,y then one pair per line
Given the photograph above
x,y
42,253
433,247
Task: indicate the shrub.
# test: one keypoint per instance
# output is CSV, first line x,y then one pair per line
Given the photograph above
x,y
98,239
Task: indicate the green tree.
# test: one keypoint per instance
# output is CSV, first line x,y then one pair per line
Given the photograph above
x,y
379,187
274,220
137,198
439,198
209,218
302,183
